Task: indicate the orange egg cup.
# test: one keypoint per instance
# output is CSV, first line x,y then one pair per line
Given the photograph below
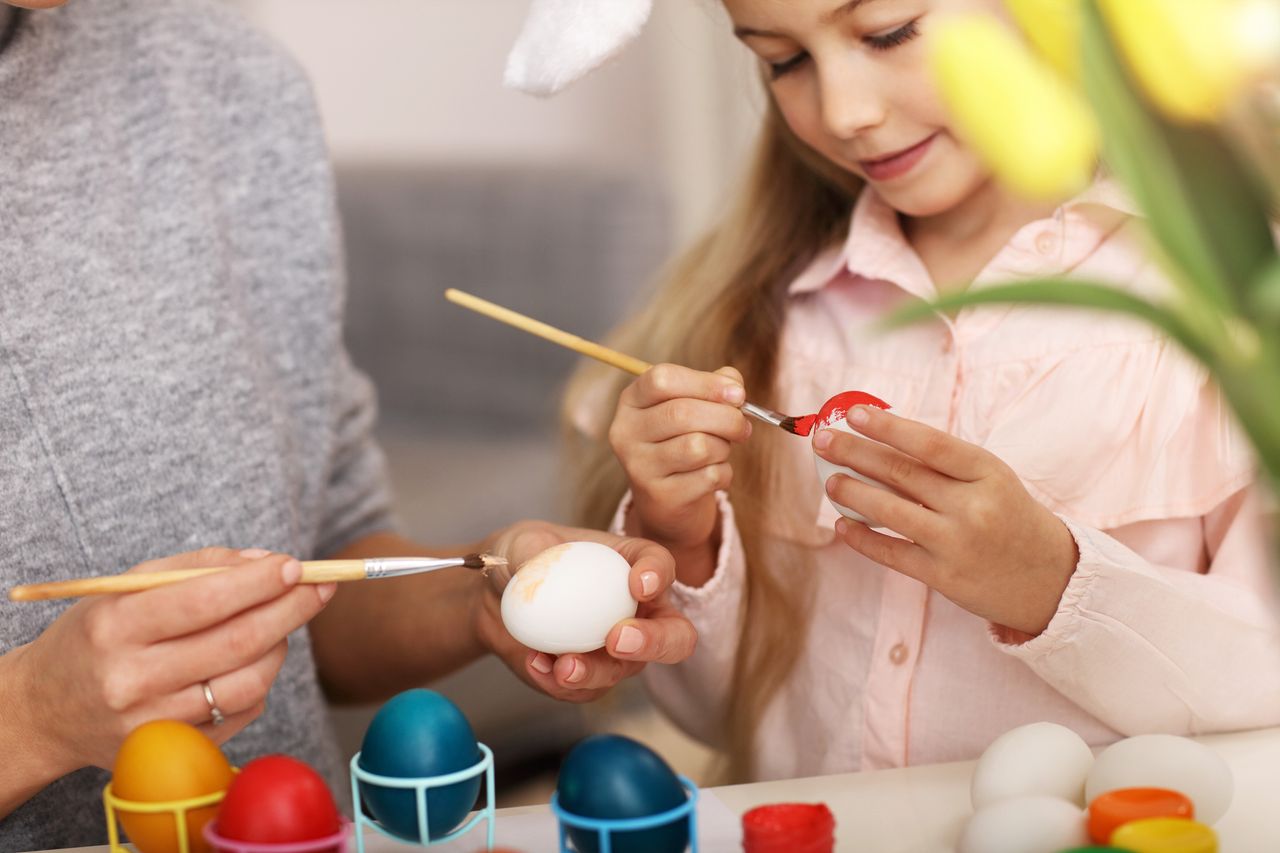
x,y
179,809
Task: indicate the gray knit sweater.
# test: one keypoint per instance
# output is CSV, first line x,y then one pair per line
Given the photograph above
x,y
172,373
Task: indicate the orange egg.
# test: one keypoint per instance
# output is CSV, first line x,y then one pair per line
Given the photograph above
x,y
162,762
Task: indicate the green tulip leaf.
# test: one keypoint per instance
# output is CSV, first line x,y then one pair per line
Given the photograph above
x,y
1206,212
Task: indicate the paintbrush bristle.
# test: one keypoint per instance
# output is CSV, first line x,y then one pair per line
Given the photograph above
x,y
483,561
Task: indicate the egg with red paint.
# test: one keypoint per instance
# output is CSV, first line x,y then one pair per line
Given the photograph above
x,y
568,598
832,416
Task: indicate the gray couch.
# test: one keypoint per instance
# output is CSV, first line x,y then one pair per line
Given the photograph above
x,y
468,405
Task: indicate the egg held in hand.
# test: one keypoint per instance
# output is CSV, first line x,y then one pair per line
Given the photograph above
x,y
568,598
166,761
832,416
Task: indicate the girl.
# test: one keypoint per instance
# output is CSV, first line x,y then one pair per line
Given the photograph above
x,y
1076,538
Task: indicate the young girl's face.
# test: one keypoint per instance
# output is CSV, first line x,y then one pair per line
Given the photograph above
x,y
853,81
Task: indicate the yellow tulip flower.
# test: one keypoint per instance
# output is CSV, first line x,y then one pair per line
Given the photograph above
x,y
1054,28
1034,131
1184,53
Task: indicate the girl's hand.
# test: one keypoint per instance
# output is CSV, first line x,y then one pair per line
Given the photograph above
x,y
658,634
972,531
673,431
110,663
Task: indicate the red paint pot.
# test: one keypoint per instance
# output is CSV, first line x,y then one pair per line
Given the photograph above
x,y
789,828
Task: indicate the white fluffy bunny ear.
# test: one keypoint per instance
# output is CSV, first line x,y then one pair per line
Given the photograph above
x,y
563,40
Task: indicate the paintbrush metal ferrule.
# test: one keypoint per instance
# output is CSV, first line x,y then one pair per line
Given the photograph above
x,y
761,413
393,567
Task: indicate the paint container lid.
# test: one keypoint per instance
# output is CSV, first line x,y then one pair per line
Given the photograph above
x,y
1114,809
789,828
1165,835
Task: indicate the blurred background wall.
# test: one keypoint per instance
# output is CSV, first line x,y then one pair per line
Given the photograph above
x,y
561,208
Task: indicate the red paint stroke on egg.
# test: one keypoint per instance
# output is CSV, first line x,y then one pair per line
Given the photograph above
x,y
836,408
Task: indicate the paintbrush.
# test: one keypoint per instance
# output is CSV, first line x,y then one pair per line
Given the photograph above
x,y
313,572
801,426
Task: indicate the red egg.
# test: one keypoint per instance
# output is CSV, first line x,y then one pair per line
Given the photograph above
x,y
277,800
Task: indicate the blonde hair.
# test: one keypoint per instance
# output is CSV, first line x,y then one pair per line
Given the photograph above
x,y
723,303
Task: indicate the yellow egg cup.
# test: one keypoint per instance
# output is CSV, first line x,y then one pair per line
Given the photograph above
x,y
178,808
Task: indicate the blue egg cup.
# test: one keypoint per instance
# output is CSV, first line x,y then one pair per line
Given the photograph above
x,y
604,829
421,785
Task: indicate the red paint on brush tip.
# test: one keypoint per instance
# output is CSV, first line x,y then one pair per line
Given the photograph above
x,y
804,425
789,828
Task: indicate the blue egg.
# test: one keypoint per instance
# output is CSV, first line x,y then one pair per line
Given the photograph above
x,y
418,734
611,777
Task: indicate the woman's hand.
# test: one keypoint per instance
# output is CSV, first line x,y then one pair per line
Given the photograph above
x,y
658,633
972,531
673,431
110,663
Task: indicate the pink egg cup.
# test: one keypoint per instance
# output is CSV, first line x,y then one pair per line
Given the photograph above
x,y
336,842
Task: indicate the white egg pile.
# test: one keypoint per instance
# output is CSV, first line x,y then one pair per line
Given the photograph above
x,y
568,598
1031,788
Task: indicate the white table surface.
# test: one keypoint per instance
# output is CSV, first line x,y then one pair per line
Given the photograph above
x,y
912,810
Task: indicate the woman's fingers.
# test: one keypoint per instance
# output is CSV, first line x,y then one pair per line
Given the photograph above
x,y
662,635
190,606
240,640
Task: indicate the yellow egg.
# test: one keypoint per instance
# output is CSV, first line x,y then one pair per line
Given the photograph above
x,y
162,762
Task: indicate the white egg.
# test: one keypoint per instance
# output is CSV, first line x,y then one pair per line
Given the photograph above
x,y
826,470
1025,825
568,598
1038,759
1166,761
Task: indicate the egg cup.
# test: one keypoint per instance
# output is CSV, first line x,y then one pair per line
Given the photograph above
x,y
178,808
336,842
604,829
421,786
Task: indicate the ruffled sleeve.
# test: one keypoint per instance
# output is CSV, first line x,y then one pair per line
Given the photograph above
x,y
1149,648
693,693
1148,435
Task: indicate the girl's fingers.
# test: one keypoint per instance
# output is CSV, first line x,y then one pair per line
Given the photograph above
x,y
939,450
239,641
892,553
690,452
884,464
673,418
681,489
190,606
919,524
670,381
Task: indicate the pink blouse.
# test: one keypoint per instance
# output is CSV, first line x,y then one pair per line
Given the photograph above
x,y
1168,624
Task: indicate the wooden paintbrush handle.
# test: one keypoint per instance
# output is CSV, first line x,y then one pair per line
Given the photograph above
x,y
622,361
319,571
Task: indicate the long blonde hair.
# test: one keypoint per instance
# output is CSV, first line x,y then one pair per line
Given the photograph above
x,y
723,303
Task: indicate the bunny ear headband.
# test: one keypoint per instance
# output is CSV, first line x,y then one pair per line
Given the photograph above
x,y
563,40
